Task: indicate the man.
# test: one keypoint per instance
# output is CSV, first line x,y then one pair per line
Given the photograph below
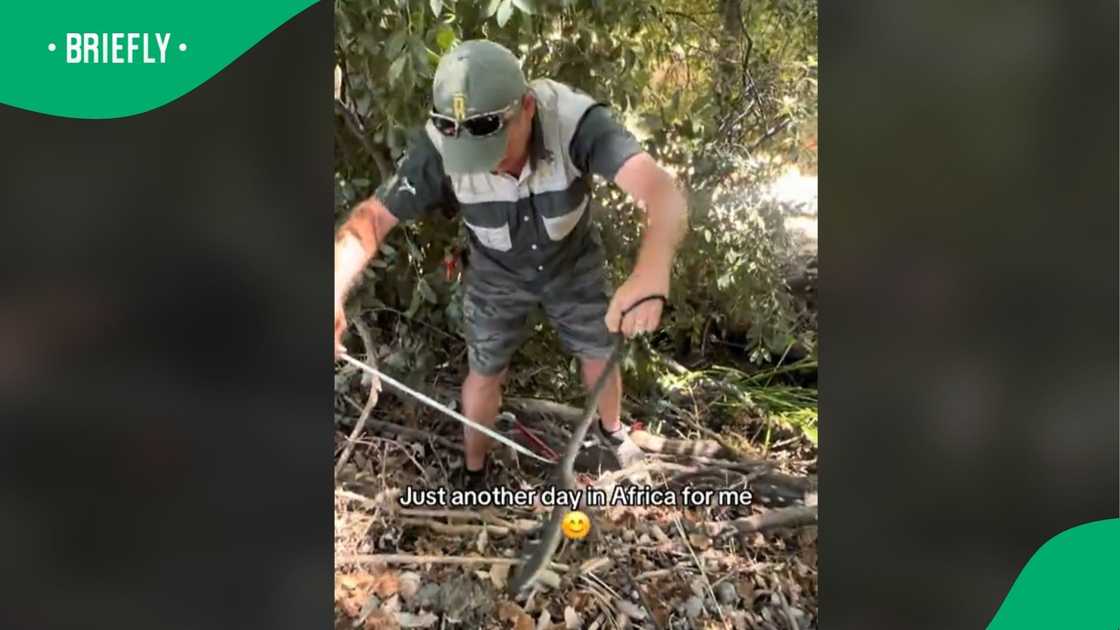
x,y
516,159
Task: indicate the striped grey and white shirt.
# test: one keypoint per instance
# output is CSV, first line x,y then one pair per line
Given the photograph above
x,y
535,227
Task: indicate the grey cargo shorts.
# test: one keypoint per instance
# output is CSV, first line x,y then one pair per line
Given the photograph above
x,y
496,317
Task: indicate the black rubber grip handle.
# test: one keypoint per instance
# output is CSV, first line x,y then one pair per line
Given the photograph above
x,y
626,311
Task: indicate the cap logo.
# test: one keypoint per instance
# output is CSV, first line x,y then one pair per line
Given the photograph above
x,y
459,106
405,185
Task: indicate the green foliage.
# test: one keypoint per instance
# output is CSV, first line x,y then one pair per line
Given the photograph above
x,y
710,87
729,275
768,393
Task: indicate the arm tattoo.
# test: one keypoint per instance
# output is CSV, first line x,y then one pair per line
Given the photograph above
x,y
362,225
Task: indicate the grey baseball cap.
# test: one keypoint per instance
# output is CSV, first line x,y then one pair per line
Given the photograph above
x,y
476,77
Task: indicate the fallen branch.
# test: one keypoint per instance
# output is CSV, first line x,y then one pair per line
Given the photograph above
x,y
466,515
374,388
354,496
658,573
399,558
416,433
382,499
787,517
544,409
699,565
407,431
454,530
520,525
596,564
713,462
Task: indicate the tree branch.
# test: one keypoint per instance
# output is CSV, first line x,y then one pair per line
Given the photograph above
x,y
374,388
354,124
786,517
400,558
770,133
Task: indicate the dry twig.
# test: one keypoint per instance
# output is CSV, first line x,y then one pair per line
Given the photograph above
x,y
400,430
374,387
454,530
399,558
786,517
354,496
699,565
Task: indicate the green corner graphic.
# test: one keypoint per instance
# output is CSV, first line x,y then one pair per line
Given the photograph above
x,y
198,38
1073,581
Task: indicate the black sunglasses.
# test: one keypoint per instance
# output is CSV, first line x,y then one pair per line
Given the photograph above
x,y
479,125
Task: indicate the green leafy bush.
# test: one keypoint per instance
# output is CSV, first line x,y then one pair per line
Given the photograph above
x,y
707,86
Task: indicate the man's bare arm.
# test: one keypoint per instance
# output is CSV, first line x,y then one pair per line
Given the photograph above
x,y
355,244
357,241
657,192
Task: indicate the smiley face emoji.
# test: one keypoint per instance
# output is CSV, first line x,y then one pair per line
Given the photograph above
x,y
576,525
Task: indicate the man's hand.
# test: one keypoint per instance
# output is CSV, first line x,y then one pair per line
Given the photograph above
x,y
339,328
647,316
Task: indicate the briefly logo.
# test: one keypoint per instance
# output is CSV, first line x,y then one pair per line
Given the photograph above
x,y
114,48
405,185
459,106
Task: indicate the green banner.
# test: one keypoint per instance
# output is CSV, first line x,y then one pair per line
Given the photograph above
x,y
84,59
1073,581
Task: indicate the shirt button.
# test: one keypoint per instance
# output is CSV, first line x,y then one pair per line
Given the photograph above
x,y
533,246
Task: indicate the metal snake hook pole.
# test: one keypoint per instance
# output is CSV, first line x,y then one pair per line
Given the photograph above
x,y
541,553
431,402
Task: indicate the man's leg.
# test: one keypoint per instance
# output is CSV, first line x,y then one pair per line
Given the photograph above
x,y
576,304
610,399
495,325
482,398
577,307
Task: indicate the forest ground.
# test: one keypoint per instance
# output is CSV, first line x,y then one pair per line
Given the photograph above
x,y
713,566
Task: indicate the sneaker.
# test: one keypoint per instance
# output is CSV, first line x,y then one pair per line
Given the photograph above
x,y
616,437
474,479
625,450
